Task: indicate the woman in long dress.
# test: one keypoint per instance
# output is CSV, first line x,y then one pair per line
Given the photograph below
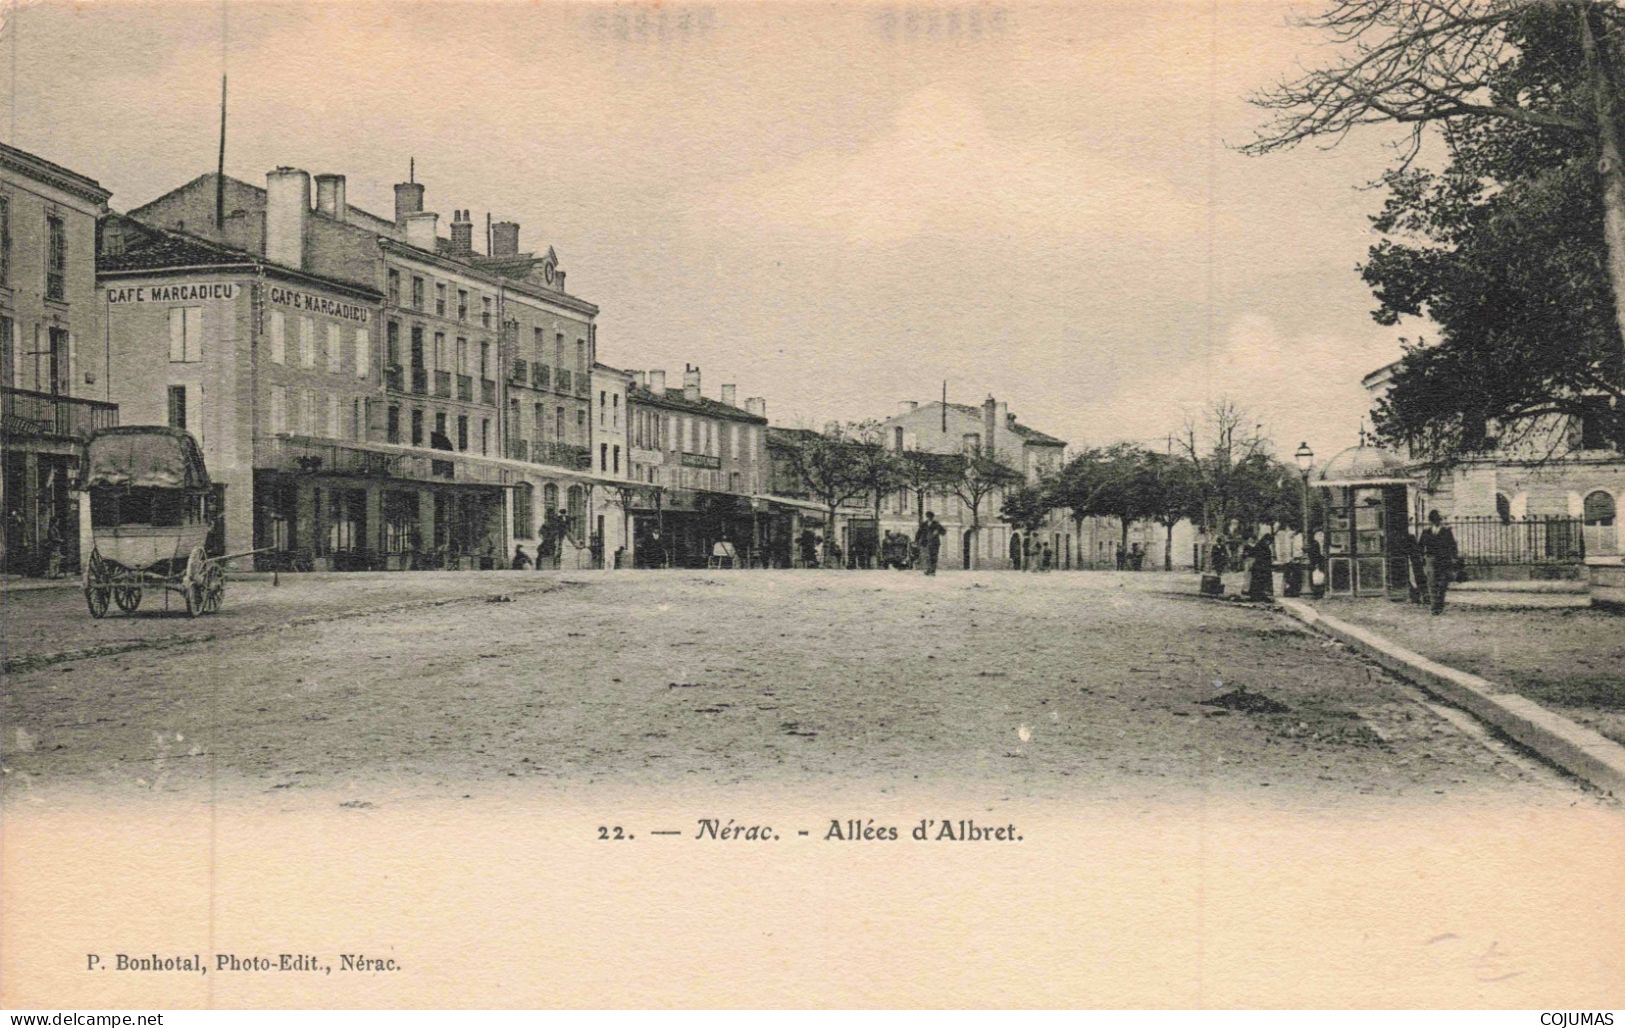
x,y
1261,576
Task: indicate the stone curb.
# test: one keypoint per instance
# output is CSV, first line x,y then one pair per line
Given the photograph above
x,y
1575,748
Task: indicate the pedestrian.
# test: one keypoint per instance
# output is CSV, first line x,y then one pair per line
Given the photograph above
x,y
1261,572
521,560
53,548
1416,573
1137,557
1316,552
929,538
1122,558
1046,559
1438,546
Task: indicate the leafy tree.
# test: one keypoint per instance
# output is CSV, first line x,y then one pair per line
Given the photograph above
x,y
923,473
880,468
830,465
979,475
1464,67
1216,453
1171,495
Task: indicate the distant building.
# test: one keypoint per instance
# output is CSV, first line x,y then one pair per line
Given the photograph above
x,y
53,355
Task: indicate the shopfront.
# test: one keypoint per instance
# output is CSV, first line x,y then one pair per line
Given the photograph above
x,y
1366,495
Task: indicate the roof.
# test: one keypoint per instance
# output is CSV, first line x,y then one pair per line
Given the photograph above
x,y
1363,465
1031,435
145,456
164,249
675,400
39,168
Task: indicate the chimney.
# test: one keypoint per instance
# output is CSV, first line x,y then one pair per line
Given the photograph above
x,y
559,274
691,382
462,234
408,200
422,229
657,382
505,239
287,203
990,425
730,395
908,406
330,196
757,405
1005,419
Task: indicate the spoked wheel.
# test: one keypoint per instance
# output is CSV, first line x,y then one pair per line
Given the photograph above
x,y
214,589
192,587
96,592
128,597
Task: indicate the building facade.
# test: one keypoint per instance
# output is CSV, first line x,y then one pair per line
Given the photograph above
x,y
479,369
54,380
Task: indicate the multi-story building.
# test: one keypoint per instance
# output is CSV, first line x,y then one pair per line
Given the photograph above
x,y
53,354
492,448
976,538
702,465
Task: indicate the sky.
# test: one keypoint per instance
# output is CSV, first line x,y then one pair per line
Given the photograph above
x,y
835,206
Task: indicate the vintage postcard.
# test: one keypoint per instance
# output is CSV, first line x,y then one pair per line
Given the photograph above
x,y
874,504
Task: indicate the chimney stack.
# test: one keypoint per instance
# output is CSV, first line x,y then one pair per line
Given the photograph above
x,y
330,196
462,234
990,425
287,204
657,383
422,229
908,406
408,200
730,395
505,239
757,405
691,383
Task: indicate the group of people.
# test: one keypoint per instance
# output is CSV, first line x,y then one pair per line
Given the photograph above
x,y
1234,551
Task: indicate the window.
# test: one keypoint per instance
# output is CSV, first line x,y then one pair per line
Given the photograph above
x,y
550,497
581,355
5,246
1594,429
616,463
558,350
394,286
462,431
485,311
335,348
615,406
440,299
307,341
279,409
581,423
417,293
603,456
540,342
1600,509
56,264
307,417
279,338
363,352
440,351
185,335
417,426
177,406
440,426
485,436
603,409
333,418
392,345
577,514
897,439
485,360
522,499
559,424
392,424
539,421
462,305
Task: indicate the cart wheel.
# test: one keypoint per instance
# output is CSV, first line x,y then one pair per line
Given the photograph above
x,y
214,589
128,597
96,599
192,582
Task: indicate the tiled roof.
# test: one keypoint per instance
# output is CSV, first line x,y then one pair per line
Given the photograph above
x,y
674,398
1032,435
160,249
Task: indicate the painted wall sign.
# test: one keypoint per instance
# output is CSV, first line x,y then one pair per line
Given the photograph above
x,y
179,292
303,301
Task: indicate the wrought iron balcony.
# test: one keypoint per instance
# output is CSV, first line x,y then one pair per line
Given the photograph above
x,y
29,413
488,391
465,388
420,380
442,383
561,455
392,378
314,456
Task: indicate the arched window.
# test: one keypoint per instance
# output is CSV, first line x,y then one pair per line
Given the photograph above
x,y
1600,509
550,498
523,498
578,513
1503,507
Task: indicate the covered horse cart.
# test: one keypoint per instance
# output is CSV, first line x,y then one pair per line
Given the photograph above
x,y
151,509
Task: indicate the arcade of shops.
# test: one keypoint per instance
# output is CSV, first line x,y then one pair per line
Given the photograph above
x,y
681,528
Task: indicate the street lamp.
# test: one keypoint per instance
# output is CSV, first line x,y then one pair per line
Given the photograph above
x,y
1306,460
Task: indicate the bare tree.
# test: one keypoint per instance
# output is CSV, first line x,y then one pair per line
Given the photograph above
x,y
980,474
1420,62
830,465
1219,451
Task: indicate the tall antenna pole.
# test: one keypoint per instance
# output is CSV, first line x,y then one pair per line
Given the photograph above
x,y
220,169
945,405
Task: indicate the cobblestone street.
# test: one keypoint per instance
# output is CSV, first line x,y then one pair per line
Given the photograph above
x,y
1094,686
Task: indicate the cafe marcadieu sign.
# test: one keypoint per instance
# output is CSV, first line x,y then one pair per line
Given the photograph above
x,y
180,292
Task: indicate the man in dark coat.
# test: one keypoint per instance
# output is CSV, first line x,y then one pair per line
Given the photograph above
x,y
930,539
1438,546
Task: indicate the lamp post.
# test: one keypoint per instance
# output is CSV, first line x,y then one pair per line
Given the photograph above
x,y
1306,460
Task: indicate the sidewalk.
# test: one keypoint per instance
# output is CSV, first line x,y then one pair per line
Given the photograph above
x,y
1554,680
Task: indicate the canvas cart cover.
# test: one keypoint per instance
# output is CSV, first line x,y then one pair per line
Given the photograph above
x,y
145,457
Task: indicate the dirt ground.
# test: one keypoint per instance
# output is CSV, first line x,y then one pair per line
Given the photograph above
x,y
1092,685
1572,661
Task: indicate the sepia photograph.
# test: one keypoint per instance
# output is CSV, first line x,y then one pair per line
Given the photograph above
x,y
884,505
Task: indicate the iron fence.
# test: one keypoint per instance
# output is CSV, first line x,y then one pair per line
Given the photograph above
x,y
1528,540
27,413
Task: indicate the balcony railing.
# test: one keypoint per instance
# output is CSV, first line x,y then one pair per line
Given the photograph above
x,y
521,373
561,381
442,383
518,449
583,387
465,388
392,379
420,381
34,414
307,455
488,391
561,455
